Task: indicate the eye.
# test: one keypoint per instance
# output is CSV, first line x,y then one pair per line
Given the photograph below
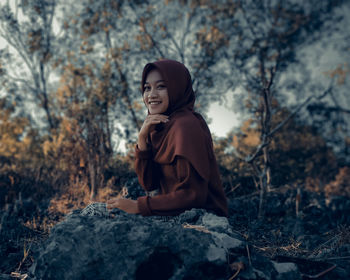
x,y
147,88
161,87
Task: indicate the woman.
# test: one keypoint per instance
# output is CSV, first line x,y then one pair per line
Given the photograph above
x,y
174,152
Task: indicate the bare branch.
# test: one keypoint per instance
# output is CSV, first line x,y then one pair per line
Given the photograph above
x,y
176,46
155,44
187,30
257,152
280,125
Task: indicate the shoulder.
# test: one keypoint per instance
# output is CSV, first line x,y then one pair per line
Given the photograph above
x,y
186,122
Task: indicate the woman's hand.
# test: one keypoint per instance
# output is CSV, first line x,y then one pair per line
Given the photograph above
x,y
128,205
147,126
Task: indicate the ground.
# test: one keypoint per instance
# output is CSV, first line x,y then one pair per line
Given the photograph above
x,y
306,228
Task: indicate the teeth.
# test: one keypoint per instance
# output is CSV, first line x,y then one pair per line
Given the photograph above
x,y
154,103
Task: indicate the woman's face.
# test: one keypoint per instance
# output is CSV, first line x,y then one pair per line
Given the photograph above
x,y
155,93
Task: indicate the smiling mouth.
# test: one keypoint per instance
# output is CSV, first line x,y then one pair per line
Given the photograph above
x,y
154,103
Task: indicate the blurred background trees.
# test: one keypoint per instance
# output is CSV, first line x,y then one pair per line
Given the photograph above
x,y
70,97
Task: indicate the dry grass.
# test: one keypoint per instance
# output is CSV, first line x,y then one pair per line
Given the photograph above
x,y
78,197
291,248
330,249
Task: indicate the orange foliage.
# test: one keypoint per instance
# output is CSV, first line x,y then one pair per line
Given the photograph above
x,y
248,139
18,141
341,185
297,152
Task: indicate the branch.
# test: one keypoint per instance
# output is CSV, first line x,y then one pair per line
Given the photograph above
x,y
280,125
133,8
337,106
320,274
154,43
187,30
19,46
331,109
258,150
15,79
256,169
172,39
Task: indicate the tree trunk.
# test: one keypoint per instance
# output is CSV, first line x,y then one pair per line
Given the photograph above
x,y
92,176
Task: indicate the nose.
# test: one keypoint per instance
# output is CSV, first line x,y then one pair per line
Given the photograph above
x,y
152,92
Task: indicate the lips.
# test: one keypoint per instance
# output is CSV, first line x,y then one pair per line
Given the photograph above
x,y
154,102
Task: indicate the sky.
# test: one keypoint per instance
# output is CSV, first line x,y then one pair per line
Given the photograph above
x,y
223,119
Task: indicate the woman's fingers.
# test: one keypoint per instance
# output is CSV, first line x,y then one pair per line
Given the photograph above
x,y
127,205
152,120
149,123
156,118
113,204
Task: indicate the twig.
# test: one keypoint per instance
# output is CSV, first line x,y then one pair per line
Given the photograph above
x,y
238,266
25,255
19,275
319,274
248,253
297,203
199,228
234,275
233,189
251,158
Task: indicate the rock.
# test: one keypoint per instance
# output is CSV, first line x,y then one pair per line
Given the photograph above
x,y
194,244
5,277
287,271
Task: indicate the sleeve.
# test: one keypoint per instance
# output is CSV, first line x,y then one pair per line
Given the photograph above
x,y
147,172
191,191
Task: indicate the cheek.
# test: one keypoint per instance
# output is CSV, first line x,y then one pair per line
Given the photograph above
x,y
145,101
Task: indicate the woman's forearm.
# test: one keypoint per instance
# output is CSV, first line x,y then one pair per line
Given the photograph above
x,y
142,143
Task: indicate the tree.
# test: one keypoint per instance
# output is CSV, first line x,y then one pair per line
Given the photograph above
x,y
28,29
263,41
297,150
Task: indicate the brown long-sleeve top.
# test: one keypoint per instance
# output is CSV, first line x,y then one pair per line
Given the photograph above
x,y
181,187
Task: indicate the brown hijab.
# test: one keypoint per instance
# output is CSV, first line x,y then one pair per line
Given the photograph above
x,y
186,134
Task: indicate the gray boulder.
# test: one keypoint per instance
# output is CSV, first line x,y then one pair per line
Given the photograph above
x,y
194,245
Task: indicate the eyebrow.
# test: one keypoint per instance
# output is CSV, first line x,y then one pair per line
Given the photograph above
x,y
156,81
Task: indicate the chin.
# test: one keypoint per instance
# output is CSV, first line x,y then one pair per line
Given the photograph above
x,y
154,112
